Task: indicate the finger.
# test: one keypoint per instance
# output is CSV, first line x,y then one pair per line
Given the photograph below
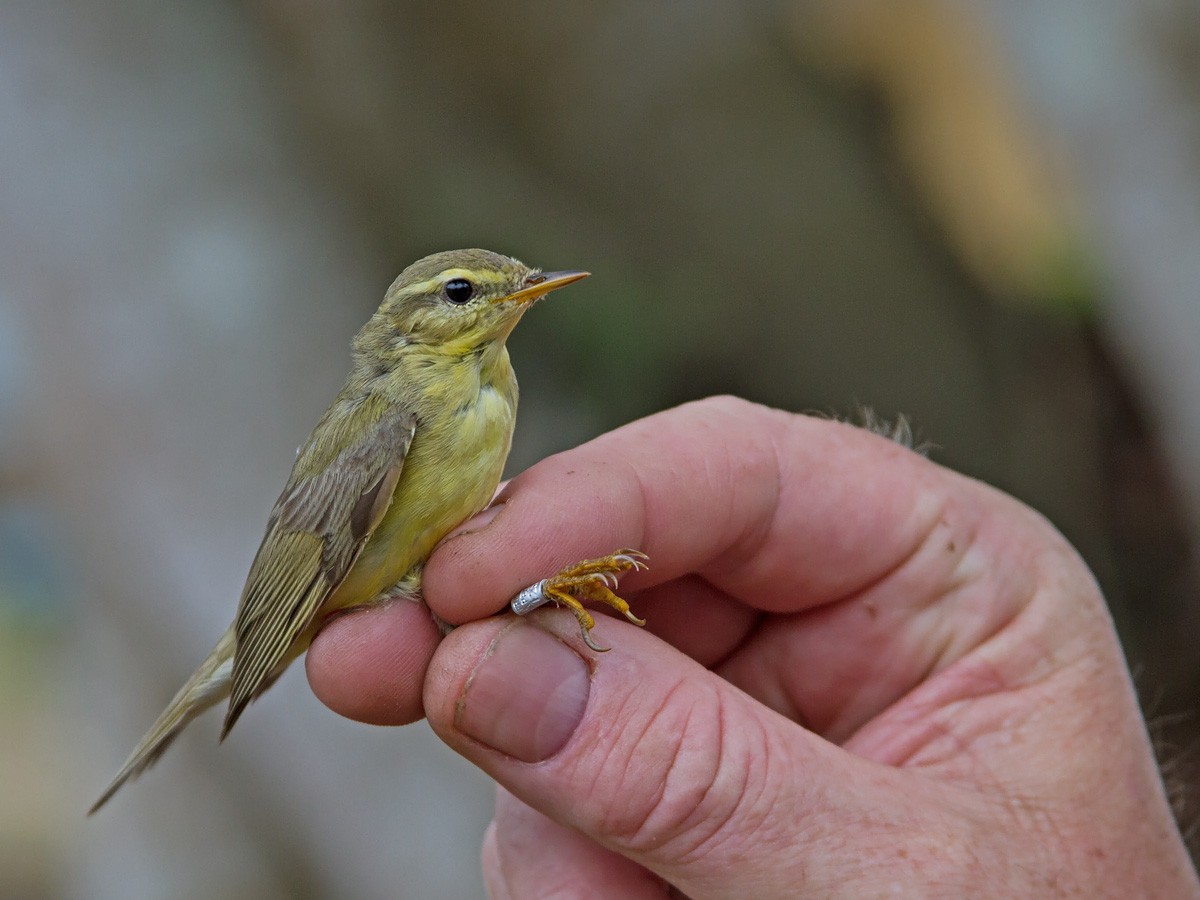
x,y
784,511
526,855
651,756
791,515
369,665
975,576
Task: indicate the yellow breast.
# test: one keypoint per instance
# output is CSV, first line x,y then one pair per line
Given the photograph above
x,y
464,432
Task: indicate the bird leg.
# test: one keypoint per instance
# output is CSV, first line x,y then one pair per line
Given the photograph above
x,y
592,580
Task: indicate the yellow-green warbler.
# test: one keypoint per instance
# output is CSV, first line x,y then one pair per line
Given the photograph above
x,y
414,444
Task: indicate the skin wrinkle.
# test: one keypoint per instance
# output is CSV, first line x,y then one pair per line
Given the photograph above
x,y
941,729
933,718
963,540
628,834
921,542
768,785
627,751
637,833
1036,820
720,831
1021,610
700,832
1020,598
960,544
690,823
1030,678
939,716
940,660
612,740
1024,811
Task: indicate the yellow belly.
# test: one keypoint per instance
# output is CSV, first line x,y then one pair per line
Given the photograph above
x,y
451,471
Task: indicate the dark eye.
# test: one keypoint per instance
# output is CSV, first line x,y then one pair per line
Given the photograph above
x,y
459,290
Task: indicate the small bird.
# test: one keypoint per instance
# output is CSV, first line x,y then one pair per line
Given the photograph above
x,y
414,444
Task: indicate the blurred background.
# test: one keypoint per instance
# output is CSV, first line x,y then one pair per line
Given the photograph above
x,y
985,216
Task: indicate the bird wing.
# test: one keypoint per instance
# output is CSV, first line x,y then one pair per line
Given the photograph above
x,y
333,501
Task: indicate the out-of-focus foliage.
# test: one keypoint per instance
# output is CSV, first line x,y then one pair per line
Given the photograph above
x,y
1004,202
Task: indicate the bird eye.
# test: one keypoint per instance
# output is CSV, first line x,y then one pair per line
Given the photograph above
x,y
459,290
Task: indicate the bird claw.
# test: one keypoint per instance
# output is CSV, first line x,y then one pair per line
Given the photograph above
x,y
593,580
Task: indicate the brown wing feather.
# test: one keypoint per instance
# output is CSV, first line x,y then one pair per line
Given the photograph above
x,y
332,503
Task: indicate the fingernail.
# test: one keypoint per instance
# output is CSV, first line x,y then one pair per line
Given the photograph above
x,y
477,522
526,696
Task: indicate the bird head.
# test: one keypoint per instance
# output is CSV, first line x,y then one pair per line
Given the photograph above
x,y
462,299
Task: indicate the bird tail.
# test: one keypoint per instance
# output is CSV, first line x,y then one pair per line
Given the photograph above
x,y
208,686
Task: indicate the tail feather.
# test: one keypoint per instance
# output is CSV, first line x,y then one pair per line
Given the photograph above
x,y
208,686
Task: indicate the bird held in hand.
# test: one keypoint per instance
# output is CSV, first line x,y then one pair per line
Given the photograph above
x,y
414,444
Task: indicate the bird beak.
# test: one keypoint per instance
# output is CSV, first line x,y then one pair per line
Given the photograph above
x,y
541,284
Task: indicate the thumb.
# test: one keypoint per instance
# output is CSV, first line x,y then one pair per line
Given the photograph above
x,y
652,756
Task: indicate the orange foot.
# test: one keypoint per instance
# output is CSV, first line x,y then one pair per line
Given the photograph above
x,y
591,580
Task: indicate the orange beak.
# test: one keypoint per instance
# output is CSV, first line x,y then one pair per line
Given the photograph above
x,y
542,284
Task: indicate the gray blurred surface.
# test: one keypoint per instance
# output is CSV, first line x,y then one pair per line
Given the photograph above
x,y
1115,83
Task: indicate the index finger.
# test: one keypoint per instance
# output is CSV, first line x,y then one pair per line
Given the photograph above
x,y
784,511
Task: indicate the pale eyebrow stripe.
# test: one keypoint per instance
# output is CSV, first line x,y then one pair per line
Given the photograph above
x,y
431,284
477,277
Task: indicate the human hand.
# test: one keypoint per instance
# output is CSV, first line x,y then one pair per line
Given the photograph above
x,y
863,674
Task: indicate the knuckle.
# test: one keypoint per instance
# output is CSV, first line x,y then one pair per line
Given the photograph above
x,y
726,404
